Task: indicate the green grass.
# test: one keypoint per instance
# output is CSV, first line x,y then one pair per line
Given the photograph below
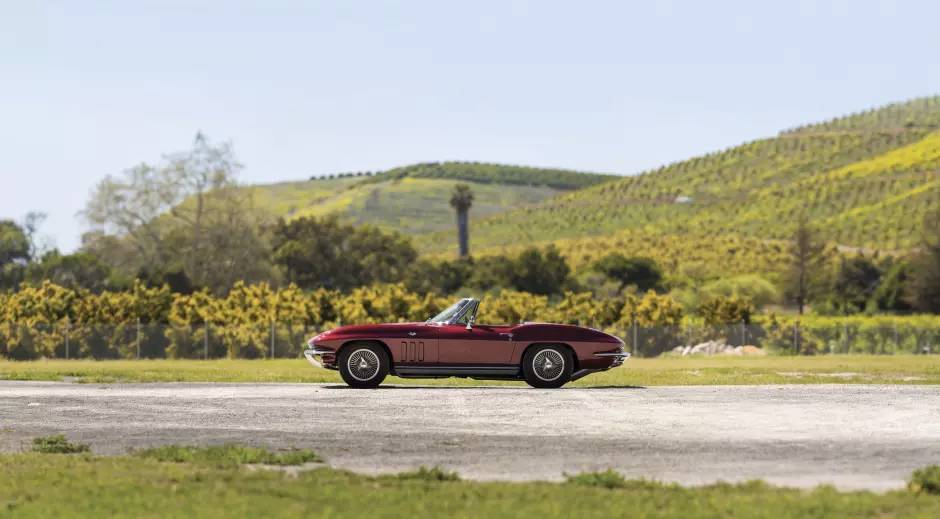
x,y
228,455
51,486
57,444
839,369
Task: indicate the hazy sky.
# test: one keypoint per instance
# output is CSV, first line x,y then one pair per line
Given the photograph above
x,y
89,88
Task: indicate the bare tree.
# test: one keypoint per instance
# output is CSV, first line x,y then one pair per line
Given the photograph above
x,y
128,207
37,244
193,175
187,212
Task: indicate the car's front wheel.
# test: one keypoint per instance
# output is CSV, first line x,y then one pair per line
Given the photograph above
x,y
547,366
363,365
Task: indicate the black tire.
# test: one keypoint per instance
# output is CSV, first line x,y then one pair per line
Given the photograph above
x,y
370,365
536,359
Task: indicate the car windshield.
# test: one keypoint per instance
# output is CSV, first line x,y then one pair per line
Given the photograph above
x,y
448,314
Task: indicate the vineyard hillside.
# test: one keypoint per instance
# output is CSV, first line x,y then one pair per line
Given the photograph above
x,y
416,199
866,180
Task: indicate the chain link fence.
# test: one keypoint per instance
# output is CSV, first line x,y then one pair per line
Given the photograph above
x,y
153,341
212,341
793,338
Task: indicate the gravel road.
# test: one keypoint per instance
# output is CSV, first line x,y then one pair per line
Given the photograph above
x,y
851,436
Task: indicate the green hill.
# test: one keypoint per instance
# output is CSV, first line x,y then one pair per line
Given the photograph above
x,y
416,199
866,180
484,173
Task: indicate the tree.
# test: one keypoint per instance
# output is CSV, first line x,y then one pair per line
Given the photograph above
x,y
323,252
14,243
443,277
539,273
721,310
854,285
924,286
807,253
461,200
890,294
175,278
19,245
491,272
73,271
642,272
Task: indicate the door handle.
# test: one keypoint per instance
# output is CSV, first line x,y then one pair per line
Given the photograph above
x,y
412,334
509,334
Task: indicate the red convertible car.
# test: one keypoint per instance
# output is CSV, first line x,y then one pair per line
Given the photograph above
x,y
452,344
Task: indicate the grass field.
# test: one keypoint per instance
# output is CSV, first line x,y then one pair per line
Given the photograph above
x,y
209,485
848,369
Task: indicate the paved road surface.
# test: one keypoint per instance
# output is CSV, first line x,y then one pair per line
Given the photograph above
x,y
851,436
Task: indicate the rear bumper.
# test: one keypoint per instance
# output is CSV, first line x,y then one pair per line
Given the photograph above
x,y
311,353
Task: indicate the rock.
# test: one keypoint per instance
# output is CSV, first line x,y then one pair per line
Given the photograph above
x,y
753,351
718,347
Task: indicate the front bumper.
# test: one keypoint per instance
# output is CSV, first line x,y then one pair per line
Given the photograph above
x,y
312,353
619,357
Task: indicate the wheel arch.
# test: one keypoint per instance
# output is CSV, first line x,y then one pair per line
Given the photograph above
x,y
574,354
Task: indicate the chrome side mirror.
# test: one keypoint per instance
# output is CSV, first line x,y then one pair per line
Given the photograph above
x,y
470,322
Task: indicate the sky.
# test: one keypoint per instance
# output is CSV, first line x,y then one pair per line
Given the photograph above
x,y
301,88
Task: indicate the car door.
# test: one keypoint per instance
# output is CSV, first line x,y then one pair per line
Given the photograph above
x,y
481,345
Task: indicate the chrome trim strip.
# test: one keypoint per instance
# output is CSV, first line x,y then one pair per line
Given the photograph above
x,y
318,351
622,355
457,371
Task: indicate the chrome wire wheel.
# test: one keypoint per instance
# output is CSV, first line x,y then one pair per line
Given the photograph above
x,y
363,365
548,365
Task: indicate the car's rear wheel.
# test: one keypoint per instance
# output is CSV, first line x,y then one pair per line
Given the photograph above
x,y
363,365
547,366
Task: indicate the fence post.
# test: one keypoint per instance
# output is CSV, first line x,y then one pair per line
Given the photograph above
x,y
845,337
896,344
205,340
635,344
743,333
796,335
138,338
272,338
66,338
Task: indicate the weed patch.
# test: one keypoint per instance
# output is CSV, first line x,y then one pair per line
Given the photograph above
x,y
429,474
57,444
228,455
926,480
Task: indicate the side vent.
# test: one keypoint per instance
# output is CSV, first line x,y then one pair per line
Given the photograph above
x,y
412,351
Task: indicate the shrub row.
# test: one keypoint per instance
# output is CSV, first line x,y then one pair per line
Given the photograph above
x,y
51,321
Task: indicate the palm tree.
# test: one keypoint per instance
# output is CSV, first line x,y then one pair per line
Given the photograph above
x,y
461,200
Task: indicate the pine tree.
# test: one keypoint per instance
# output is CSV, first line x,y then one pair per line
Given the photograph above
x,y
807,253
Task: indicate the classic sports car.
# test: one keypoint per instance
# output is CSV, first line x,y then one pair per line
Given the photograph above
x,y
452,344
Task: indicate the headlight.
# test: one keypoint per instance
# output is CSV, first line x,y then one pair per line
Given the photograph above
x,y
319,337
